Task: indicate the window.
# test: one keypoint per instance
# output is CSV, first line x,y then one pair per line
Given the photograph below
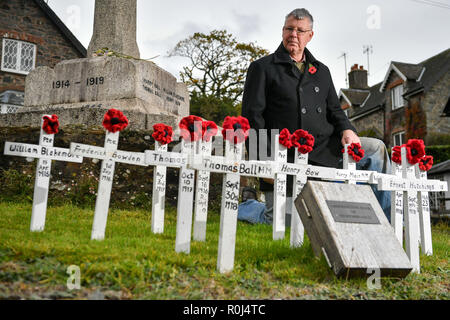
x,y
397,100
18,56
398,138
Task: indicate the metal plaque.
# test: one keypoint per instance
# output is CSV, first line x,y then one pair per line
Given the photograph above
x,y
352,212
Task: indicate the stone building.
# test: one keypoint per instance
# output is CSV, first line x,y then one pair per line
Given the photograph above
x,y
32,35
411,102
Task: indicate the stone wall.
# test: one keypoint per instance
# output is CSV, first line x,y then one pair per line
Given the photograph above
x,y
433,103
24,20
373,123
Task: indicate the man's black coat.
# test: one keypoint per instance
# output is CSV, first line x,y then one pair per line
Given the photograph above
x,y
277,95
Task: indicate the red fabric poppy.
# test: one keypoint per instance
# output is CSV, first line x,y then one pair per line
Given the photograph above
x,y
355,151
191,128
237,127
312,69
415,149
285,138
397,154
425,163
209,130
162,133
114,120
51,124
303,141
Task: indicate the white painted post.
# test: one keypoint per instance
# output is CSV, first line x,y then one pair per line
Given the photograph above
x,y
279,193
397,205
45,153
159,193
109,156
411,216
426,243
185,202
297,229
348,163
229,211
201,194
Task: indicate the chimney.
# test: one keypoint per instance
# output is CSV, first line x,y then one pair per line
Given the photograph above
x,y
357,77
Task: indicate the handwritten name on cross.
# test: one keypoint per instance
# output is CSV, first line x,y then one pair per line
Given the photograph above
x,y
279,193
45,153
109,156
201,194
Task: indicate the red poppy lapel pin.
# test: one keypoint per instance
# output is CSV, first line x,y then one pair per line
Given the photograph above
x,y
312,69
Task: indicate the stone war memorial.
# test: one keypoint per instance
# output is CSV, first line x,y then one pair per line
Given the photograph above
x,y
121,101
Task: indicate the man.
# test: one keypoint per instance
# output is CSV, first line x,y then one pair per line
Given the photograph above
x,y
291,89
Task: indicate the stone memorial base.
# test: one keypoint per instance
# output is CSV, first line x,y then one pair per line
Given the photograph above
x,y
80,91
346,224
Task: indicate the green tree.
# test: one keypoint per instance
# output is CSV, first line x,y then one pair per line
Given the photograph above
x,y
218,66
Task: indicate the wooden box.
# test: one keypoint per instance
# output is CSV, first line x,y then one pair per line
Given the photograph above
x,y
346,224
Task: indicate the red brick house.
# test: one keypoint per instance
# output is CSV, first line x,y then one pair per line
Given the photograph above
x,y
411,102
31,35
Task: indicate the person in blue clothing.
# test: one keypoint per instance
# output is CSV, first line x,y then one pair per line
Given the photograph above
x,y
291,89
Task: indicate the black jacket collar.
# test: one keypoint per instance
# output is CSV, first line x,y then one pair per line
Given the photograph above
x,y
281,55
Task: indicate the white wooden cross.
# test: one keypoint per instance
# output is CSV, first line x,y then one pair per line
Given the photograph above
x,y
411,215
159,193
185,201
229,211
201,194
297,229
109,156
279,192
185,191
397,204
233,167
45,153
426,243
410,186
348,163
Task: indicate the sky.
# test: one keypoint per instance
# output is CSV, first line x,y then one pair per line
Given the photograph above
x,y
408,31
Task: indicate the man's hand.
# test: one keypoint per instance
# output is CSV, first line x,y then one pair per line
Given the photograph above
x,y
348,137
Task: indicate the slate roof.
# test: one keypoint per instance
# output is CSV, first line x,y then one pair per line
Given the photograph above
x,y
12,97
374,101
427,72
61,26
440,168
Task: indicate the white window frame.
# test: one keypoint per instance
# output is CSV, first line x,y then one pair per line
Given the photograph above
x,y
19,56
397,100
400,134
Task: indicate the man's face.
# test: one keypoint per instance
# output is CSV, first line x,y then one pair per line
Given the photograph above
x,y
293,41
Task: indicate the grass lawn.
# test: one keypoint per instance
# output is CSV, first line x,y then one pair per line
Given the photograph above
x,y
133,263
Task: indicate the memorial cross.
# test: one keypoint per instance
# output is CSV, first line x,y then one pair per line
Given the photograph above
x,y
297,228
159,192
201,194
279,194
45,153
397,204
185,201
229,211
426,243
348,163
411,215
109,156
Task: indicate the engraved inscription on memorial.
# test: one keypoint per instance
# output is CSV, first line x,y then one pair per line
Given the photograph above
x,y
352,212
